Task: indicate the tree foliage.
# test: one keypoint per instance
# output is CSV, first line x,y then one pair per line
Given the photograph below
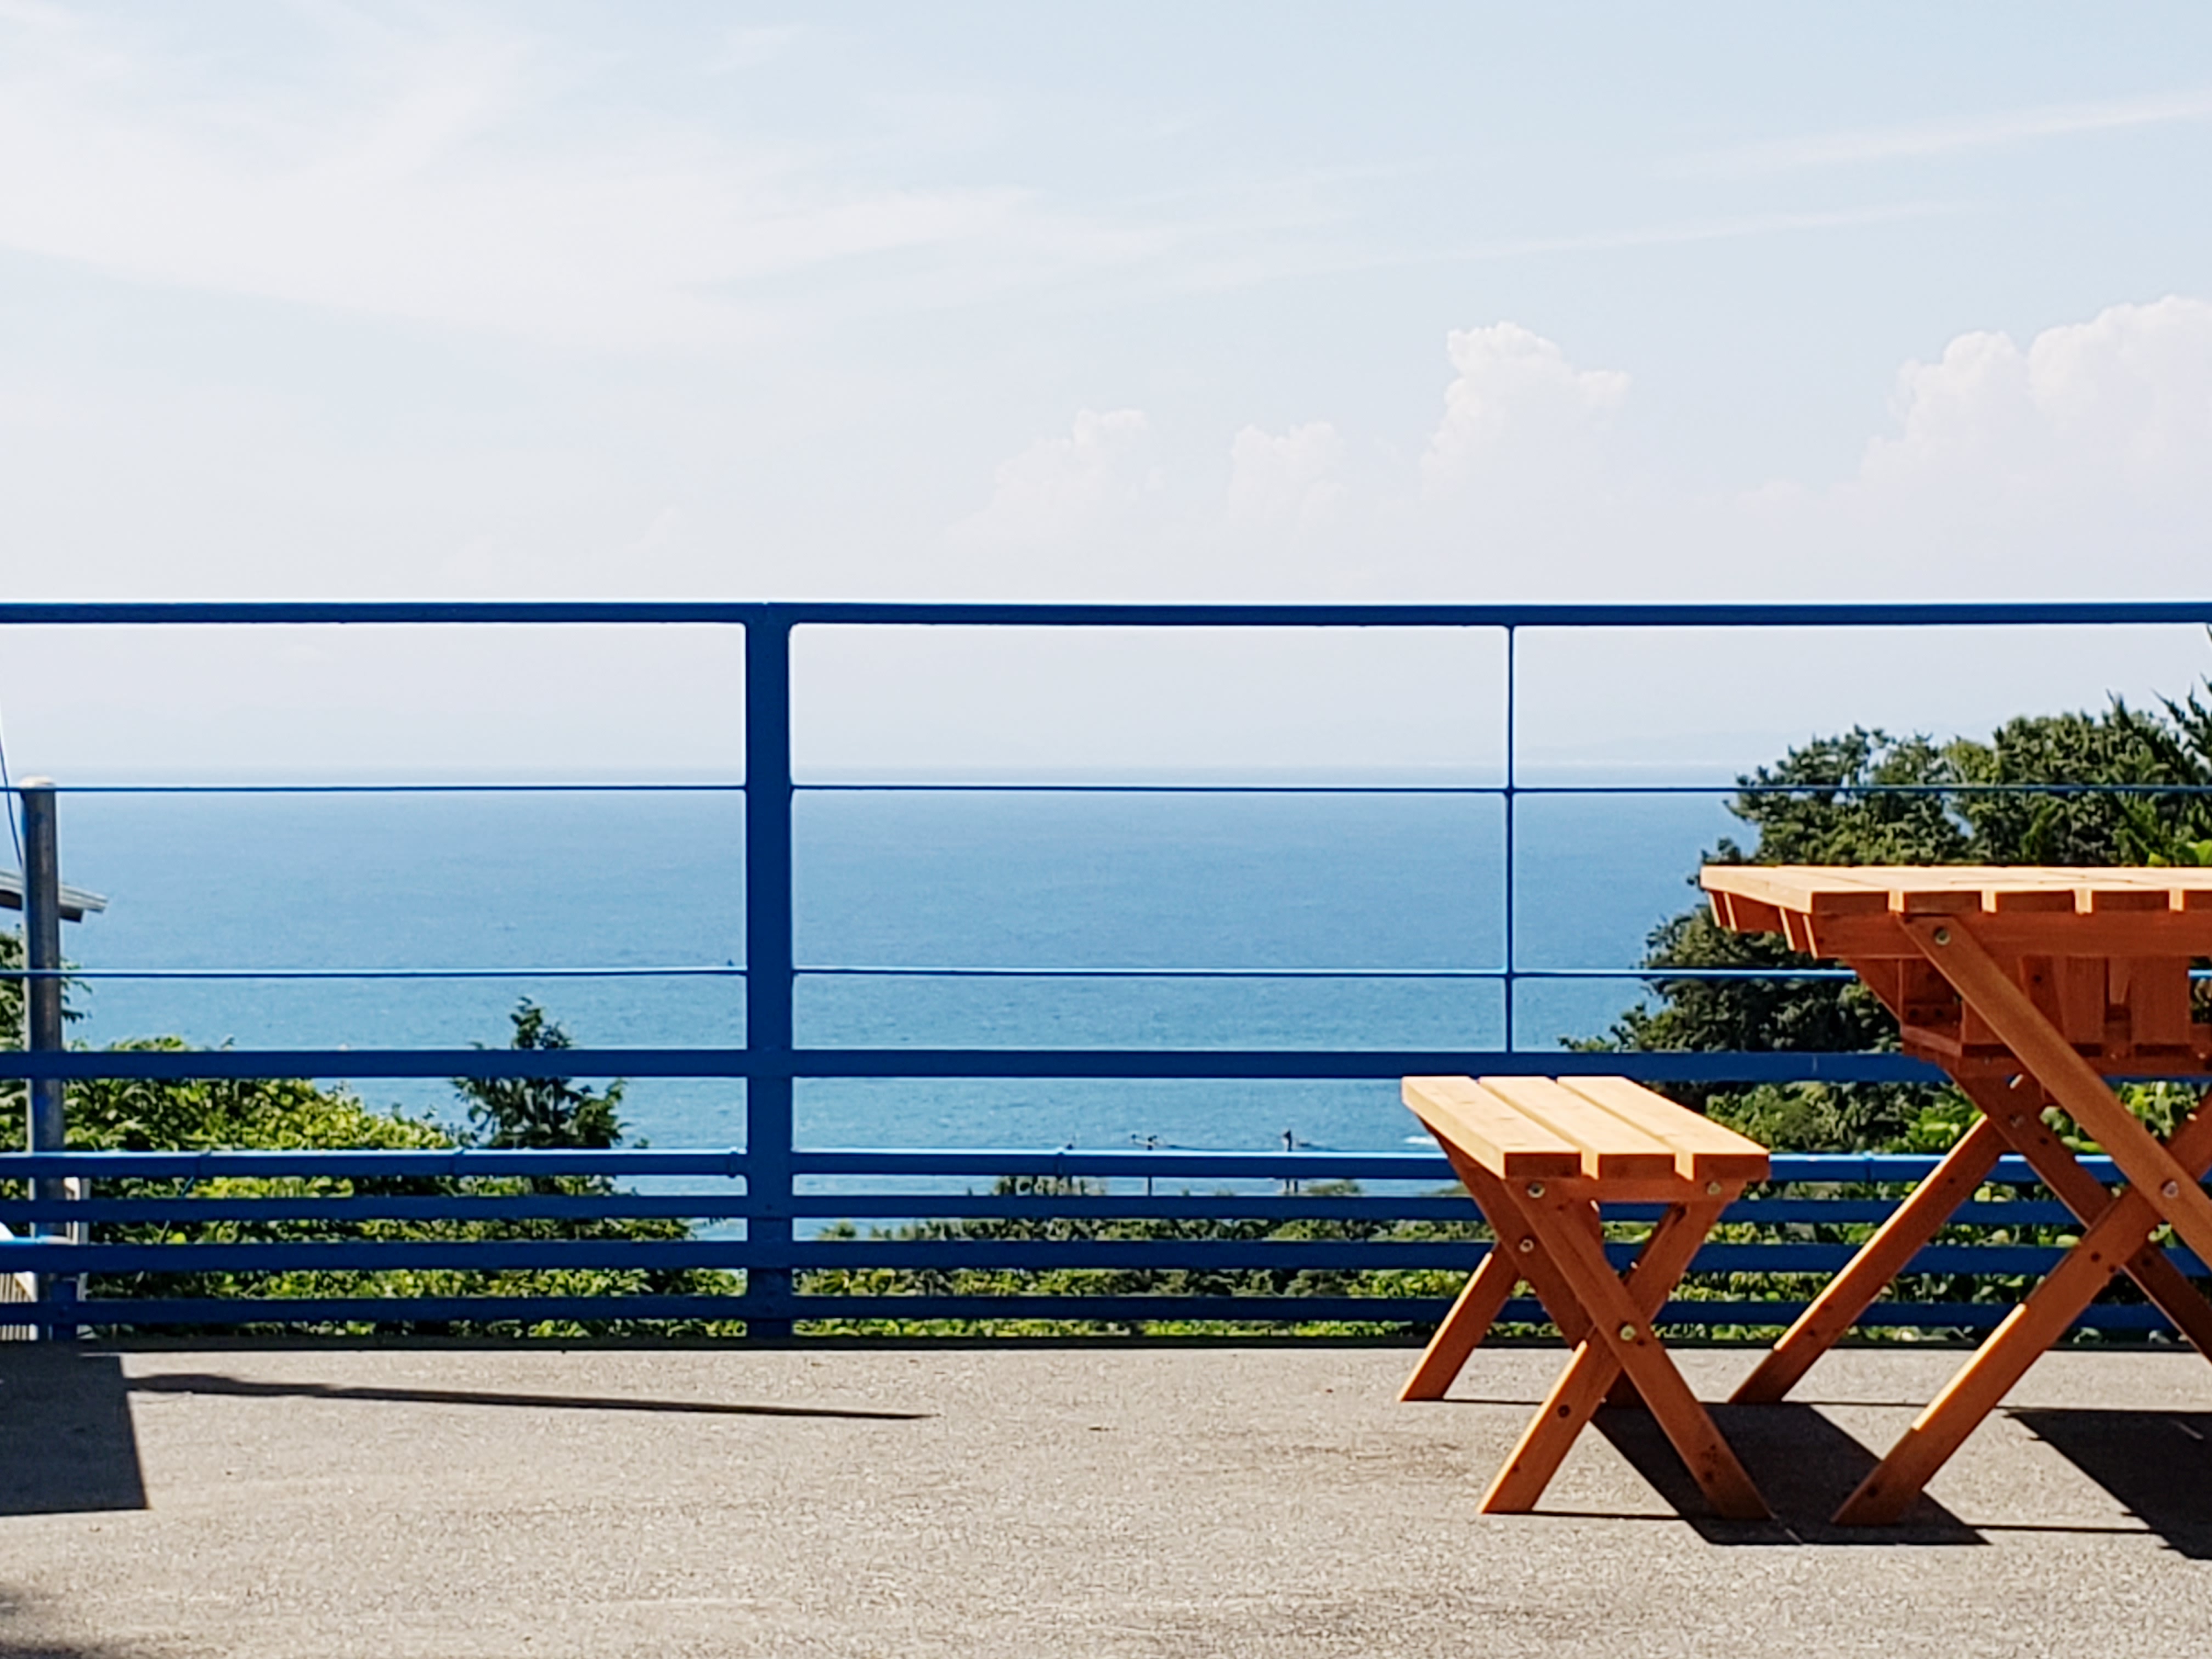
x,y
540,1112
1866,796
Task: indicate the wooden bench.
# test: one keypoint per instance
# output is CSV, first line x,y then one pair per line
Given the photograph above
x,y
1539,1156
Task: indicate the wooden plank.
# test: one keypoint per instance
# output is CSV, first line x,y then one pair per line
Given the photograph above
x,y
1590,1375
2158,1001
1612,1149
2081,983
1469,1320
2055,1165
1746,915
1703,1151
1618,1324
1841,889
1507,1142
1959,954
2140,934
2048,1313
1879,1261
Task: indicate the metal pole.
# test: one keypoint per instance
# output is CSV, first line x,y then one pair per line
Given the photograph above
x,y
1512,893
42,1002
768,964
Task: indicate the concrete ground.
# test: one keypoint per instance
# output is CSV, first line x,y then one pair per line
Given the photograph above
x,y
1015,1501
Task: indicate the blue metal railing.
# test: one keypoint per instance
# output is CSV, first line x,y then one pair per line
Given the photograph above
x,y
774,1169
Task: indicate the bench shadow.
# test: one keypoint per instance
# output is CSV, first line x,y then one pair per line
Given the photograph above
x,y
65,1420
2158,1465
1805,1465
212,1382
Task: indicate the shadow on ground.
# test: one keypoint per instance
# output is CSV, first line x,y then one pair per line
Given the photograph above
x,y
210,1382
65,1418
2157,1464
1805,1465
18,1643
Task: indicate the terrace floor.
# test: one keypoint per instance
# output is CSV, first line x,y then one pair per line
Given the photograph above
x,y
1048,1500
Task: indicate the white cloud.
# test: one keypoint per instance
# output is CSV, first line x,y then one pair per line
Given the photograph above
x,y
2122,401
1292,481
2078,464
1090,482
1515,399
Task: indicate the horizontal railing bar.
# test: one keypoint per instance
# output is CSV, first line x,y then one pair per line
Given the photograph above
x,y
1196,1064
887,972
57,1255
1018,786
897,972
849,613
1500,791
445,788
676,972
110,1312
1105,786
189,1208
461,1163
1837,1168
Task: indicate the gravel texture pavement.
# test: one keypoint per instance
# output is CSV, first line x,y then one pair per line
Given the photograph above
x,y
1184,1501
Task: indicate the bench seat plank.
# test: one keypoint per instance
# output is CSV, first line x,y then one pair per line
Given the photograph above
x,y
1612,1149
1703,1149
1508,1143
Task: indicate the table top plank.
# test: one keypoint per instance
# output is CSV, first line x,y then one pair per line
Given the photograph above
x,y
1834,890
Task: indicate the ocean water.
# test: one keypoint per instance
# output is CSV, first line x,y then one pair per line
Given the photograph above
x,y
528,881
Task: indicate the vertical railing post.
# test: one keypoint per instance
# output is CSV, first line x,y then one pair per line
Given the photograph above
x,y
768,963
48,1126
1512,892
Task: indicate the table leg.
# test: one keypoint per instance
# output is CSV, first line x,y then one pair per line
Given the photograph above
x,y
1949,943
2113,1240
1879,1261
2167,1287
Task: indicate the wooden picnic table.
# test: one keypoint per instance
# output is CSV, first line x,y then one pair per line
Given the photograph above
x,y
2032,987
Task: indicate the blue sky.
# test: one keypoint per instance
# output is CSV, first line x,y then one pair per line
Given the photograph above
x,y
1233,301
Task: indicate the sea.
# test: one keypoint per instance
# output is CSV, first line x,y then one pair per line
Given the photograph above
x,y
532,892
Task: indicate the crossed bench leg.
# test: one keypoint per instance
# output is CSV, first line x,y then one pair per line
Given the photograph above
x,y
1548,1234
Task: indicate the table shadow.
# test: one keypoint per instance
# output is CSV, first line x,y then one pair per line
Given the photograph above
x,y
1804,1464
65,1420
2157,1464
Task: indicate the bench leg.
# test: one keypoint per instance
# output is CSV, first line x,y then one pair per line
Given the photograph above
x,y
2115,1239
1592,1374
1617,1323
1567,1268
1465,1326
